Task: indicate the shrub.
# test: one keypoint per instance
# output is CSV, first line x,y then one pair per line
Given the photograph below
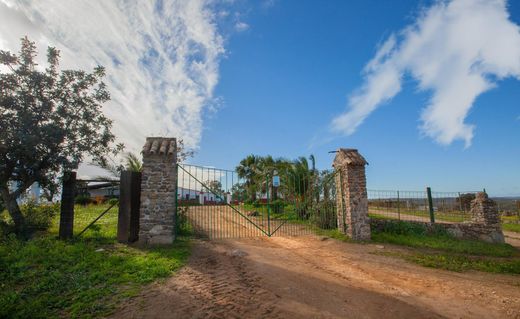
x,y
277,206
83,199
39,216
113,201
302,211
324,215
182,225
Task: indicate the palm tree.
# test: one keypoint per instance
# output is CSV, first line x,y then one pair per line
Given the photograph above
x,y
300,175
315,178
313,161
248,170
133,163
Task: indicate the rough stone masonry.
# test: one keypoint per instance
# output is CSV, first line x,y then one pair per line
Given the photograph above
x,y
158,188
351,197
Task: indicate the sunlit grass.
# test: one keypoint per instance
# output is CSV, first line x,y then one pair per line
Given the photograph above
x,y
84,277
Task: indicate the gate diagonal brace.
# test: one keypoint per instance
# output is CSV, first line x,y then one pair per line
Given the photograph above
x,y
222,199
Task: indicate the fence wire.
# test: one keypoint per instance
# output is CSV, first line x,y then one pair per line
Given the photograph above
x,y
447,207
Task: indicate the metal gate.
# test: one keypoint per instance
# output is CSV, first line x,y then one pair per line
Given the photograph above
x,y
216,203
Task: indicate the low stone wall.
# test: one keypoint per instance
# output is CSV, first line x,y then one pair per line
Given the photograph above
x,y
488,233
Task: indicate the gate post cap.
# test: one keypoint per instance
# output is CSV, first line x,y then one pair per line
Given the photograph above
x,y
159,146
349,156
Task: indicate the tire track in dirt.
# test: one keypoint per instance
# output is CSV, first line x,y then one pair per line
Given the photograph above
x,y
458,295
212,285
304,277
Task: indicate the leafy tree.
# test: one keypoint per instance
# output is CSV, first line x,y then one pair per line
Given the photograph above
x,y
51,120
215,187
238,191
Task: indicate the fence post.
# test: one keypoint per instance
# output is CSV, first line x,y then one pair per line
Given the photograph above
x,y
430,204
129,202
398,207
67,205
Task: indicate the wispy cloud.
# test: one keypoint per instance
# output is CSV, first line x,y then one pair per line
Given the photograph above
x,y
162,57
241,26
455,49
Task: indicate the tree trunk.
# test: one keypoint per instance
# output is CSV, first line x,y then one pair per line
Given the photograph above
x,y
13,209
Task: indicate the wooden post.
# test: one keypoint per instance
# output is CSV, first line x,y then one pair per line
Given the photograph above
x,y
129,202
67,205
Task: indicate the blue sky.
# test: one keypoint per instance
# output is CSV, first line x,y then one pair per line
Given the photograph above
x,y
289,75
427,91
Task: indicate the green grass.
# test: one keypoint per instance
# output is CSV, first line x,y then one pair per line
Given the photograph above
x,y
446,243
453,216
85,277
437,249
462,263
332,233
511,227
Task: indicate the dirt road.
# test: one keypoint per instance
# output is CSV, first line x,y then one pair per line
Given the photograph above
x,y
305,277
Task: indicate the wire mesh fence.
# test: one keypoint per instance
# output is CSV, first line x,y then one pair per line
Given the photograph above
x,y
96,209
423,206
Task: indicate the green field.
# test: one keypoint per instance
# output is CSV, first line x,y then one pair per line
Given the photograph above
x,y
440,250
84,277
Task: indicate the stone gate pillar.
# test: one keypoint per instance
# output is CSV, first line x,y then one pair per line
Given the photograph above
x,y
351,194
158,191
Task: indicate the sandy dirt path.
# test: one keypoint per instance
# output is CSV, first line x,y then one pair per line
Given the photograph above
x,y
305,277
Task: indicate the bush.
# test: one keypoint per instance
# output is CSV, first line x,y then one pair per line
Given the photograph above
x,y
113,201
277,206
83,199
39,216
182,225
325,215
302,211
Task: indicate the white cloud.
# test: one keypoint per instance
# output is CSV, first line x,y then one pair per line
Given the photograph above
x,y
457,50
162,59
241,26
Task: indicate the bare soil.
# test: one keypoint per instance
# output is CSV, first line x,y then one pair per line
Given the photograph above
x,y
311,277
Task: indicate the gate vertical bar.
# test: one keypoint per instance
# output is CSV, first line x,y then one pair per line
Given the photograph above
x,y
268,207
